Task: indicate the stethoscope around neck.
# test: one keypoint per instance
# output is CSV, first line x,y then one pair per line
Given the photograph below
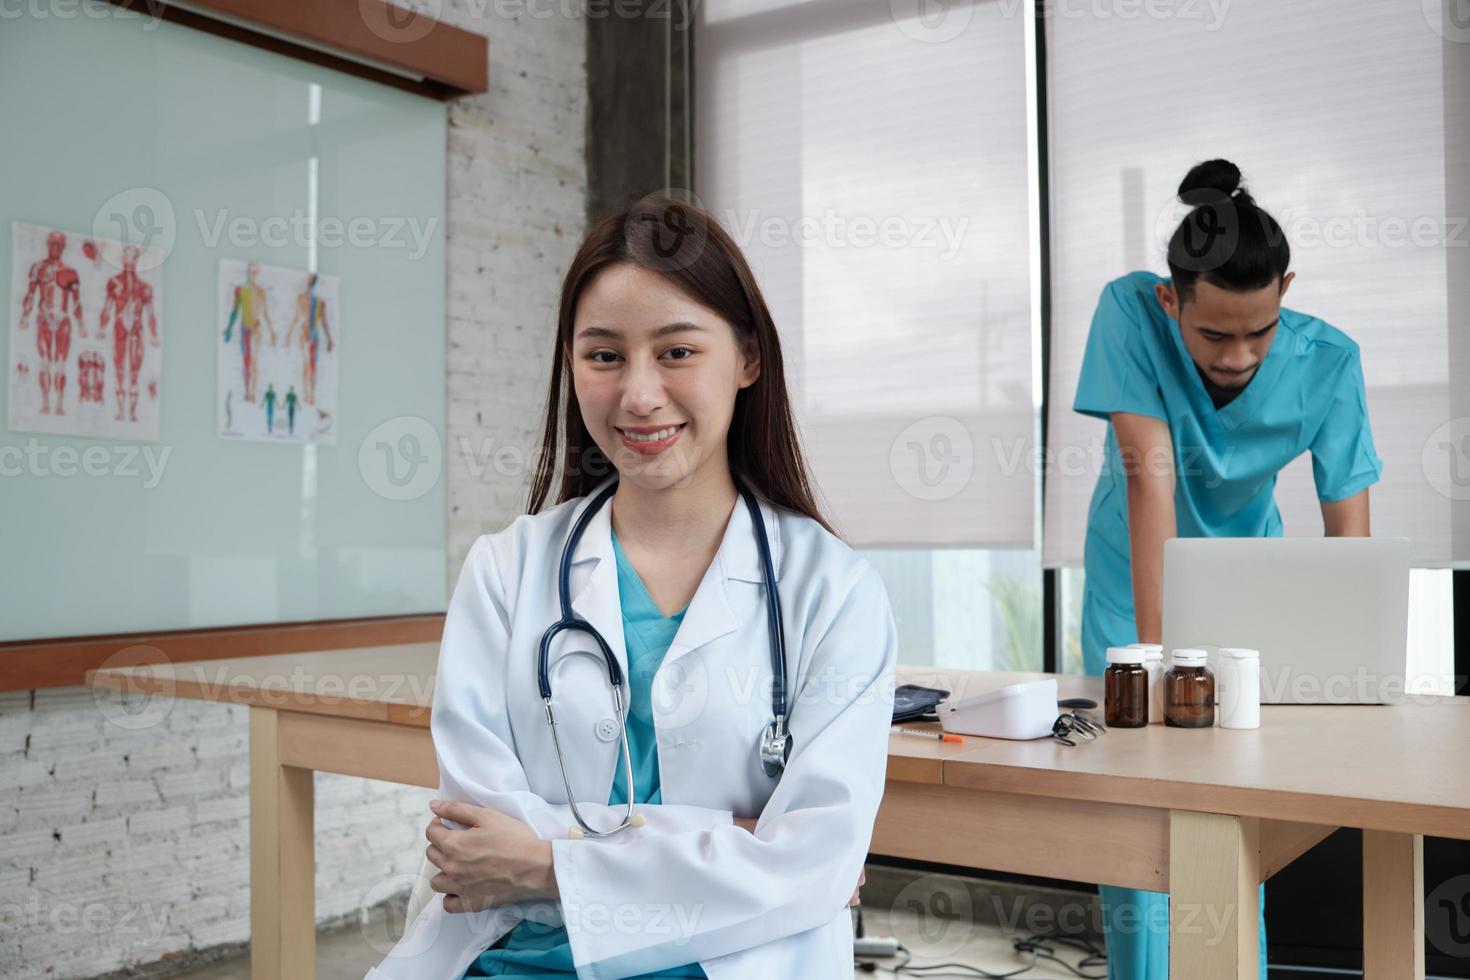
x,y
775,741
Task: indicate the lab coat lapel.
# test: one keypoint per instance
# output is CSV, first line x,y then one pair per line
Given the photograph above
x,y
710,615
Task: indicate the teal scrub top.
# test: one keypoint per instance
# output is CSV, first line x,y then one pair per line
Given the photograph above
x,y
537,950
1306,396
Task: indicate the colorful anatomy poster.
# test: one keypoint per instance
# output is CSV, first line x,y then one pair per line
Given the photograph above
x,y
86,335
277,342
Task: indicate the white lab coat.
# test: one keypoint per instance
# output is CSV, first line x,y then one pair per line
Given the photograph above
x,y
689,885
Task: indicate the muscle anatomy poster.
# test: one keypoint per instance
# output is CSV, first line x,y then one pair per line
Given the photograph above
x,y
86,335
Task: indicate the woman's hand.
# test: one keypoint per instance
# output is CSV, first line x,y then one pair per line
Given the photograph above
x,y
749,824
494,860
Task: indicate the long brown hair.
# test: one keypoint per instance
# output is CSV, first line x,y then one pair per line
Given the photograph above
x,y
687,246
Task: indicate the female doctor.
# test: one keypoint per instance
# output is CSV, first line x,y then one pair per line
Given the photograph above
x,y
1210,387
731,864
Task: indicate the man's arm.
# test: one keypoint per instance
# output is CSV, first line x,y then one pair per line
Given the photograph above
x,y
1347,518
1148,459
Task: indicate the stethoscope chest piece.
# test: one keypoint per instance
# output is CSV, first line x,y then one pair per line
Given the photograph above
x,y
775,748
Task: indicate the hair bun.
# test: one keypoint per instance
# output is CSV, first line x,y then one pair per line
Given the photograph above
x,y
1220,176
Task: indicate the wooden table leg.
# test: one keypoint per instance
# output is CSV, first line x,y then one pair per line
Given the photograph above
x,y
1214,874
1393,906
282,859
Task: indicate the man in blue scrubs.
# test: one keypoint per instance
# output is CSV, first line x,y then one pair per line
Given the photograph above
x,y
1210,388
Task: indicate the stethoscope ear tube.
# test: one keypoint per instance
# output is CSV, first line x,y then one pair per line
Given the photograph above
x,y
568,620
773,610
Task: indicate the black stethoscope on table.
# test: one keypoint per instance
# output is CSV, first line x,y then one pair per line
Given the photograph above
x,y
775,741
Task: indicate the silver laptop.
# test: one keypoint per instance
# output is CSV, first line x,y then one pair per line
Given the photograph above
x,y
1329,615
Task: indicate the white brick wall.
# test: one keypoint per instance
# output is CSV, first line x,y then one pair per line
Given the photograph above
x,y
120,847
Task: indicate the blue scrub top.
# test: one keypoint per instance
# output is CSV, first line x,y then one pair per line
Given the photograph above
x,y
536,950
1307,395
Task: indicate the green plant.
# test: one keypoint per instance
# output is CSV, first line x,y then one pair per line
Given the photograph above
x,y
1071,581
1019,607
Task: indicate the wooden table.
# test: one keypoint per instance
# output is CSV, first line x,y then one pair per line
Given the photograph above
x,y
1202,814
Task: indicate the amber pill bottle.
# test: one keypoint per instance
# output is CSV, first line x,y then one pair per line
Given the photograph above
x,y
1125,689
1189,691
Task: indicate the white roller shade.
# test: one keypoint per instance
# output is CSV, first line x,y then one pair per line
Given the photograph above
x,y
872,164
1349,121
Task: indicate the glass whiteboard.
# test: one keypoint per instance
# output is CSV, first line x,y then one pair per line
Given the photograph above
x,y
224,152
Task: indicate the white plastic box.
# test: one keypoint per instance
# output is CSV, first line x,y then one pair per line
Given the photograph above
x,y
1018,711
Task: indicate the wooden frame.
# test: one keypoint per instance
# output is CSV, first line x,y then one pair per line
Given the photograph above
x,y
26,664
368,38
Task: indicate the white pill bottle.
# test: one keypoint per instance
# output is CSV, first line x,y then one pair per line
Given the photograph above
x,y
1153,662
1240,687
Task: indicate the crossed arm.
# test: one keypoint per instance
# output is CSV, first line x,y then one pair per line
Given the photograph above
x,y
498,860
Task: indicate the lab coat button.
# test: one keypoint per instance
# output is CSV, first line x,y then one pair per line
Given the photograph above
x,y
607,729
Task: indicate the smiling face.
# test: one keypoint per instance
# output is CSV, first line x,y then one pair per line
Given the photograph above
x,y
656,373
1227,333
